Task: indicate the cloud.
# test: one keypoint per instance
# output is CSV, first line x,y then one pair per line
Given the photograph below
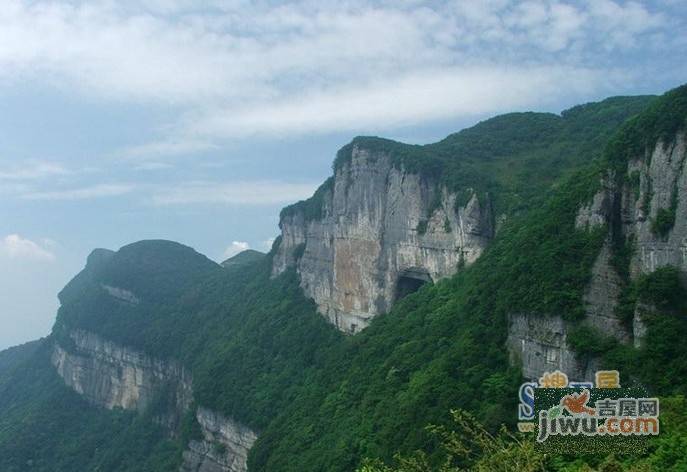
x,y
429,95
232,69
33,170
168,147
234,193
14,246
151,166
234,248
81,193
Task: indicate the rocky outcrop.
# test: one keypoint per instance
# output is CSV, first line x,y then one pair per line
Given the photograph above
x,y
376,232
224,446
539,343
645,210
114,376
662,188
121,294
602,296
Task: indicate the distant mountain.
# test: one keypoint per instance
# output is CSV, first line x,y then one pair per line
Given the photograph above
x,y
244,258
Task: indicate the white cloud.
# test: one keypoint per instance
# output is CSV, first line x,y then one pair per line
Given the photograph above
x,y
234,248
151,166
81,193
16,247
430,95
33,170
235,193
168,147
236,68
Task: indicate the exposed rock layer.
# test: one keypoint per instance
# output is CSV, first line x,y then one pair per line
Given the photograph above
x,y
110,375
224,446
629,207
378,226
114,376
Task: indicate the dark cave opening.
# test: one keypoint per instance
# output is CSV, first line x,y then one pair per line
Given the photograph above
x,y
410,281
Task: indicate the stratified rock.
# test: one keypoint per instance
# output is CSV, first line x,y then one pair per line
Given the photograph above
x,y
628,206
379,232
113,376
224,447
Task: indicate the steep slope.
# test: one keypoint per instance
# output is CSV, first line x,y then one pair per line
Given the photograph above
x,y
395,216
127,296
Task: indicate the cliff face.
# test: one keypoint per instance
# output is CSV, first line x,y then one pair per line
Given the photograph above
x,y
660,196
379,233
645,211
539,344
114,376
224,447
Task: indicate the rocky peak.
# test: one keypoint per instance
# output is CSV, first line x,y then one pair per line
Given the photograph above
x,y
374,233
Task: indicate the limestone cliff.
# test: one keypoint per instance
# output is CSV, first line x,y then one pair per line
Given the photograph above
x,y
645,210
114,376
224,446
375,232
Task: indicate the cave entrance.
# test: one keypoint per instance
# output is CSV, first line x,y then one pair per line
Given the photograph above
x,y
410,281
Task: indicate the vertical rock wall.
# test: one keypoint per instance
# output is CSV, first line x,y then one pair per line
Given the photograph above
x,y
378,224
629,207
114,376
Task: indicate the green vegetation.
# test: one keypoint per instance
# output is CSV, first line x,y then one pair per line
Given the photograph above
x,y
245,258
588,342
467,445
9,358
665,217
422,227
311,208
661,120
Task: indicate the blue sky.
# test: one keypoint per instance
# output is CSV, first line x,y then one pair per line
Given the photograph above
x,y
122,121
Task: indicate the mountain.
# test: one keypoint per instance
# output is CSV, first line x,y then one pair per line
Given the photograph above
x,y
243,259
394,216
417,280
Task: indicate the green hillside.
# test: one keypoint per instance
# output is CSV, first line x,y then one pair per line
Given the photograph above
x,y
244,259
